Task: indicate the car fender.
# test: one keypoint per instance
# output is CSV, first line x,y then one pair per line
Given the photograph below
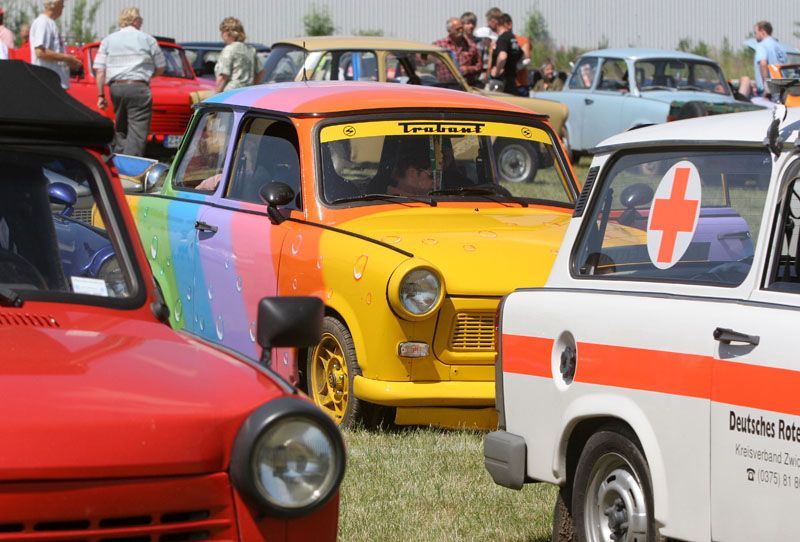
x,y
606,405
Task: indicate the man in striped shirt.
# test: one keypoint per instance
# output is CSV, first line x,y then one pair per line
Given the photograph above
x,y
127,59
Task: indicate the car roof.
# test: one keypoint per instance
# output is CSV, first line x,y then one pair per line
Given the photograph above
x,y
217,45
331,97
326,43
738,128
635,53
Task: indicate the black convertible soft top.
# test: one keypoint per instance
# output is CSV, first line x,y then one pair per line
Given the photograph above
x,y
34,108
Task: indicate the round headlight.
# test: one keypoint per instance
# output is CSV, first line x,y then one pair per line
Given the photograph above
x,y
294,463
288,458
420,291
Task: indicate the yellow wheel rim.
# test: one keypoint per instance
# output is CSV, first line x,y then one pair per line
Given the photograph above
x,y
330,386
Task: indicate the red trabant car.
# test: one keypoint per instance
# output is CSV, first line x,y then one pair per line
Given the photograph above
x,y
174,93
116,427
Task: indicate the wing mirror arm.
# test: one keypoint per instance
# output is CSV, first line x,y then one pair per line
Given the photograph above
x,y
276,194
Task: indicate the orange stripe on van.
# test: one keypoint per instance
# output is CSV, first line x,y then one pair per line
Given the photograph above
x,y
686,375
527,355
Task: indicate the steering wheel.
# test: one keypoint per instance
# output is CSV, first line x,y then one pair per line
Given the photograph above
x,y
14,269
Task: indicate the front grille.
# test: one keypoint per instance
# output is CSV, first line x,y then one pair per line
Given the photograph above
x,y
84,215
27,320
170,122
180,510
472,331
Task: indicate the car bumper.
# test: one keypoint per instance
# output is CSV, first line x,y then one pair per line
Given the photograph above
x,y
504,457
425,394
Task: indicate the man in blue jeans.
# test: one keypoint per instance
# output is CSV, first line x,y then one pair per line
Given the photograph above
x,y
768,51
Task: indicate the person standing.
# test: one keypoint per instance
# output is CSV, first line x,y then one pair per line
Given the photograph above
x,y
768,51
238,64
128,59
47,45
3,51
6,35
464,50
507,53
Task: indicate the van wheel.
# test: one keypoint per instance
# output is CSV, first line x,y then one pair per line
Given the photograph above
x,y
563,527
331,367
612,497
517,161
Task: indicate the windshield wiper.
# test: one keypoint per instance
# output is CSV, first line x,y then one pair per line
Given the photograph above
x,y
10,298
693,87
657,87
369,197
477,191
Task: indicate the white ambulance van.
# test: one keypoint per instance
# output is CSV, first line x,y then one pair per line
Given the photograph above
x,y
655,378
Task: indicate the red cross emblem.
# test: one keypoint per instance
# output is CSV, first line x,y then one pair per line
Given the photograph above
x,y
673,215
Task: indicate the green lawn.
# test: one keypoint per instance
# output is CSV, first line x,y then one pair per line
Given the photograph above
x,y
426,485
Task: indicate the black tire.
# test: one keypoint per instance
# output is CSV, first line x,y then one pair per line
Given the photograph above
x,y
613,455
354,411
563,526
517,161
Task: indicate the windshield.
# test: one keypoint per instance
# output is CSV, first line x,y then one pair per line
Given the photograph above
x,y
664,74
441,160
426,69
678,216
283,64
46,245
176,63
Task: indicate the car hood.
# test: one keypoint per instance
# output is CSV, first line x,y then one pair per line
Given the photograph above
x,y
556,111
116,398
479,251
668,96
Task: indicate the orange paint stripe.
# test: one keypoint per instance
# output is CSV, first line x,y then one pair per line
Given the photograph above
x,y
527,355
686,375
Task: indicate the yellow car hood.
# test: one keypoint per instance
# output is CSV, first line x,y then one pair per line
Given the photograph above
x,y
487,252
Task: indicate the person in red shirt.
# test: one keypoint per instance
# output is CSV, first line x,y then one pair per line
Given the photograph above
x,y
464,50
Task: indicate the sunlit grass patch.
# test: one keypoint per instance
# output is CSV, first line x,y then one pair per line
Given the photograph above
x,y
430,485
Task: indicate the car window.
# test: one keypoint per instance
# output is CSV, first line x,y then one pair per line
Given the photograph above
x,y
785,257
45,248
667,74
283,64
266,152
679,216
613,76
583,74
347,66
452,159
202,163
427,69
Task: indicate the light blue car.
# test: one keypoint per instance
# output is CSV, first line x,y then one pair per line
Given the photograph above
x,y
613,90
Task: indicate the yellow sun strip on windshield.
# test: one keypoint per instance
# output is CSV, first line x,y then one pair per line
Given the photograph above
x,y
432,127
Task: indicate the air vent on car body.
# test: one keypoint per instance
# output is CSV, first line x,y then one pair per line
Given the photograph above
x,y
8,319
585,191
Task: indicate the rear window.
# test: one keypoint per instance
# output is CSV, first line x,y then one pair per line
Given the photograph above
x,y
682,216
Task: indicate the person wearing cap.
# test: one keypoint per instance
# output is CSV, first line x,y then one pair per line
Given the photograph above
x,y
486,38
464,51
6,35
128,59
47,45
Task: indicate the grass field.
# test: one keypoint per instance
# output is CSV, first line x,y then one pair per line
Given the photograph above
x,y
430,485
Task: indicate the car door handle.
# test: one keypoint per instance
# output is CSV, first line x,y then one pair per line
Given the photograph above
x,y
727,336
588,101
202,226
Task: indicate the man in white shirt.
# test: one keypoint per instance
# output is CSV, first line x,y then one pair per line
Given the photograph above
x,y
47,46
128,58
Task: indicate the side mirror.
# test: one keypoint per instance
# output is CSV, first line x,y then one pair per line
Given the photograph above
x,y
276,194
288,322
63,194
635,195
155,177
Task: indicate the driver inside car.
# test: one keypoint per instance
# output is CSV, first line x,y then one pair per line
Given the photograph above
x,y
411,176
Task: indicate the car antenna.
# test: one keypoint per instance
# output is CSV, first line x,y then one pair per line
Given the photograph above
x,y
305,55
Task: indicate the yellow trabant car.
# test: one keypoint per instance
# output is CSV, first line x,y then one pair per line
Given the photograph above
x,y
385,201
389,60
